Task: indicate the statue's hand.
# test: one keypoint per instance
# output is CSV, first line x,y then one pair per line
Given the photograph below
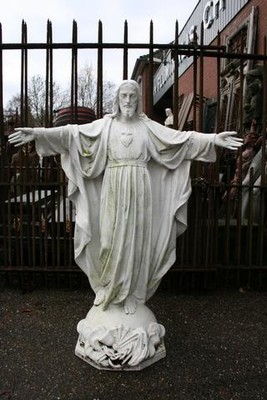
x,y
21,136
228,140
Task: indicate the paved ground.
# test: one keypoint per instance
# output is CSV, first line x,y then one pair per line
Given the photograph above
x,y
216,349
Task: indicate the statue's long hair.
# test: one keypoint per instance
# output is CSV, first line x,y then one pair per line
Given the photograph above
x,y
116,106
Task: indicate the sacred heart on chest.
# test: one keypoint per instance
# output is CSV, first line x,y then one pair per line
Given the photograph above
x,y
126,138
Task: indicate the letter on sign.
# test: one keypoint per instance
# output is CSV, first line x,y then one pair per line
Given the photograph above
x,y
207,15
211,12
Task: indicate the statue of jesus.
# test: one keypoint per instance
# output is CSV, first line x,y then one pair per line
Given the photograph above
x,y
129,179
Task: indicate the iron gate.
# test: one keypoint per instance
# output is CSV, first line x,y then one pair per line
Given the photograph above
x,y
221,245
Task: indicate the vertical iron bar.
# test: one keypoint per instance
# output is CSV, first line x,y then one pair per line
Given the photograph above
x,y
196,164
125,51
264,106
195,62
176,79
150,73
63,222
239,188
39,209
227,223
24,76
26,176
201,82
74,74
3,165
218,111
100,71
58,232
53,236
262,222
24,122
217,164
250,219
51,100
49,78
196,225
22,119
33,219
208,199
45,222
196,169
60,209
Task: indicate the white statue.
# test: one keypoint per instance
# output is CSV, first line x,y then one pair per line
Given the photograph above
x,y
169,120
129,178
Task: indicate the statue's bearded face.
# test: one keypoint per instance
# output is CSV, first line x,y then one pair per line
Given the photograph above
x,y
128,100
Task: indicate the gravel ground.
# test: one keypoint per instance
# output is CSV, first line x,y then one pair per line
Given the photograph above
x,y
216,349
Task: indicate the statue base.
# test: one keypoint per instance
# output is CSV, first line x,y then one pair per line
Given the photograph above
x,y
112,340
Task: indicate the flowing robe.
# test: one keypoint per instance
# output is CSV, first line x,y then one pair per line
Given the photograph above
x,y
130,188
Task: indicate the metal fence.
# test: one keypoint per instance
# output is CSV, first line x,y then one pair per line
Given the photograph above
x,y
223,245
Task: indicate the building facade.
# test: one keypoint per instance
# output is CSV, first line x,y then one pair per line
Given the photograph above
x,y
238,26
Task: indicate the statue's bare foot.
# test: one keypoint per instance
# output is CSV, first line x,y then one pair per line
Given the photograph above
x,y
130,305
100,297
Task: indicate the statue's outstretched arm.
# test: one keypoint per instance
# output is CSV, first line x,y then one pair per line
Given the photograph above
x,y
228,140
22,136
55,136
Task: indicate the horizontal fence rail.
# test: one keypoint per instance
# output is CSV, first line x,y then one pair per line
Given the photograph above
x,y
225,240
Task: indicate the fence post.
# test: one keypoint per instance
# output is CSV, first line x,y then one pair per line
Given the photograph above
x,y
24,76
125,51
49,78
176,79
151,72
100,71
74,73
